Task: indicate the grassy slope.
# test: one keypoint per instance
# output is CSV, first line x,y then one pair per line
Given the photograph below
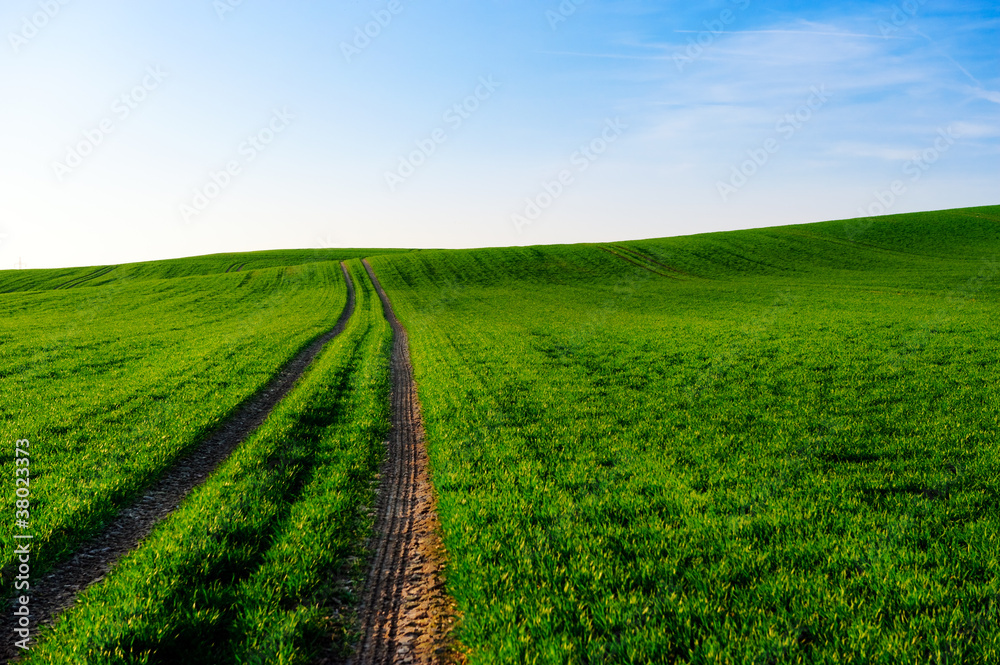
x,y
112,383
68,278
245,570
763,446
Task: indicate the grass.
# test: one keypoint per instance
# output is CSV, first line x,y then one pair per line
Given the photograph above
x,y
766,446
113,383
256,564
213,264
771,446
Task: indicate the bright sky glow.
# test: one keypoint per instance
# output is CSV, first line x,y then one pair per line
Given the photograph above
x,y
142,130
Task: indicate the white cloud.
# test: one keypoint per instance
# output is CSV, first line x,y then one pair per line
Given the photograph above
x,y
879,152
976,130
988,95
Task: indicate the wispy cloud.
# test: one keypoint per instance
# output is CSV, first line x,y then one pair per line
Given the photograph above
x,y
810,33
988,95
614,56
974,130
886,153
939,49
703,86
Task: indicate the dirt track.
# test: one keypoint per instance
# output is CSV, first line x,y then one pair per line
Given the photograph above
x,y
57,590
406,615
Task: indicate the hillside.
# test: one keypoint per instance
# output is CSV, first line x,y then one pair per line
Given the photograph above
x,y
774,445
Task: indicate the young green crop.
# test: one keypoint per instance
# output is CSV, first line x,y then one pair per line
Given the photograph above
x,y
212,264
760,446
112,384
763,446
246,570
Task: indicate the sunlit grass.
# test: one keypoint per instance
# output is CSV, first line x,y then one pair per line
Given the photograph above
x,y
251,568
770,446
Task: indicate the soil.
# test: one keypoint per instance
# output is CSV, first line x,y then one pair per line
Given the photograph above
x,y
406,616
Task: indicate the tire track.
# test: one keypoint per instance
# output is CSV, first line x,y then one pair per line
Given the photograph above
x,y
100,272
636,263
632,251
93,559
406,615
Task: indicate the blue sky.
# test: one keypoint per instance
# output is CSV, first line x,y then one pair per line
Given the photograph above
x,y
136,131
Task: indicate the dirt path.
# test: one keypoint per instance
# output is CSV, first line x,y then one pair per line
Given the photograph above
x,y
406,615
57,590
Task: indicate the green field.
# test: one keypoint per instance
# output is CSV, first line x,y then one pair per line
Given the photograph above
x,y
762,446
244,570
114,380
766,446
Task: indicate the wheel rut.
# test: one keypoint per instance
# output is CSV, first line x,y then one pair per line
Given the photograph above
x,y
406,616
92,560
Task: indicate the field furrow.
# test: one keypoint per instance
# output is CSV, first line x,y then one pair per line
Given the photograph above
x,y
114,384
790,459
636,261
93,559
405,615
762,446
259,562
